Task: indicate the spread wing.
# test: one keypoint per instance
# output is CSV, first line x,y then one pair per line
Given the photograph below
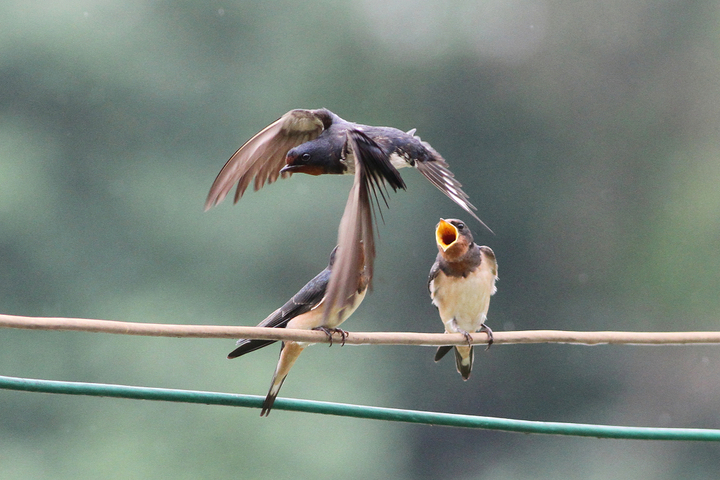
x,y
263,155
305,300
356,241
436,170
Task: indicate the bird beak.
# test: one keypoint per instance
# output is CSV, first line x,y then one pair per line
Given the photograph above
x,y
309,169
445,234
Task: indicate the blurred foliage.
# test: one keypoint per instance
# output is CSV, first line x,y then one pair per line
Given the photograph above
x,y
586,132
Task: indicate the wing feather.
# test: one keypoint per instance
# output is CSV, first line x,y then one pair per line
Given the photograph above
x,y
263,155
356,238
305,300
438,173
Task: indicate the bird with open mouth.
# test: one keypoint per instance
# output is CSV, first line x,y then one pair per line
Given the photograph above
x,y
319,142
461,281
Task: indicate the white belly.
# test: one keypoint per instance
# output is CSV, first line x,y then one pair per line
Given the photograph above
x,y
464,300
396,160
315,318
347,311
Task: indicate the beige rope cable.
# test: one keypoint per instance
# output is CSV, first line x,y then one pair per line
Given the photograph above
x,y
355,338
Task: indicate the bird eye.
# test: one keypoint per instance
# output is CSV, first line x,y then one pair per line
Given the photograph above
x,y
306,156
460,226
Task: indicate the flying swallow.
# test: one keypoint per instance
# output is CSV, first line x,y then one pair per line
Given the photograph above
x,y
319,142
305,310
461,281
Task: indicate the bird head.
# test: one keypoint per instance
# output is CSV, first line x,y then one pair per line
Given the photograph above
x,y
315,157
453,237
300,162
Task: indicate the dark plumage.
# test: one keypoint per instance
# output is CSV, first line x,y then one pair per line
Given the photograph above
x,y
302,302
319,142
461,281
305,310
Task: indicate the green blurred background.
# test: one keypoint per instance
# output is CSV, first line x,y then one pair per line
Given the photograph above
x,y
585,132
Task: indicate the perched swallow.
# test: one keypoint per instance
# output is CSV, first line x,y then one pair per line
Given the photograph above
x,y
461,281
319,142
305,310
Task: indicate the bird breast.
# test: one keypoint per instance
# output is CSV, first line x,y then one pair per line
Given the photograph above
x,y
463,299
345,313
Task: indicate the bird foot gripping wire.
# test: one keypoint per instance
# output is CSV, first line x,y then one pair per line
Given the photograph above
x,y
330,331
483,328
468,337
488,331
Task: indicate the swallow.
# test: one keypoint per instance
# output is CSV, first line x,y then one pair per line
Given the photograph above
x,y
305,310
461,281
318,142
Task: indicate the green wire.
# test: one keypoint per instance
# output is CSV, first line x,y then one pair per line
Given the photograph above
x,y
359,411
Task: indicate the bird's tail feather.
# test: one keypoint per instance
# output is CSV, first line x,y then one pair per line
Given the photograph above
x,y
247,346
442,351
271,396
288,354
464,364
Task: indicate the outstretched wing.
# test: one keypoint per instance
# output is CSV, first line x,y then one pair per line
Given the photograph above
x,y
263,155
437,171
356,240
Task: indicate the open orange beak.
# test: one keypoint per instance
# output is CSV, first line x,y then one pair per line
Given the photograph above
x,y
445,234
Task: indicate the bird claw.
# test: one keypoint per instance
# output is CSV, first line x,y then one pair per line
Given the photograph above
x,y
488,331
468,338
330,331
483,328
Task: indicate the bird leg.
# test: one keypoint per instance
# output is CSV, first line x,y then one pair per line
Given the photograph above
x,y
468,337
330,331
488,331
453,328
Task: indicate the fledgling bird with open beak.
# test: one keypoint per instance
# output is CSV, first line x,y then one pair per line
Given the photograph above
x,y
305,310
461,281
319,142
